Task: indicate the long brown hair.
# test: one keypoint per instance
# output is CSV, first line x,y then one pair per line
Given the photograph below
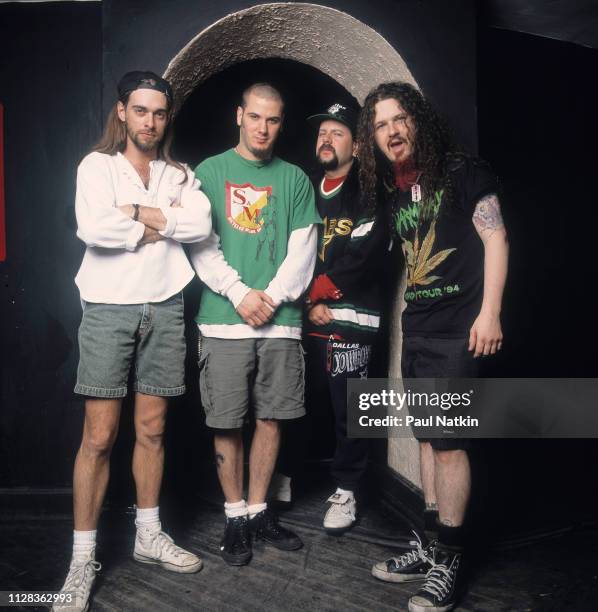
x,y
114,138
432,146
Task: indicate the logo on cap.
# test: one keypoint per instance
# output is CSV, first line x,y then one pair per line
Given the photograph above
x,y
335,108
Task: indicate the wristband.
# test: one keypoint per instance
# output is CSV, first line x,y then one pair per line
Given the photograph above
x,y
136,215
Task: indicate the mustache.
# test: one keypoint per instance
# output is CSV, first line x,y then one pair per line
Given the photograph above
x,y
326,147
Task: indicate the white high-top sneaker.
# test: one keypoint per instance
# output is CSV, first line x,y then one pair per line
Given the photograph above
x,y
74,595
340,516
156,547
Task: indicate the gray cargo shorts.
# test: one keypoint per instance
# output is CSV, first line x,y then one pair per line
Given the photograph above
x,y
267,373
113,337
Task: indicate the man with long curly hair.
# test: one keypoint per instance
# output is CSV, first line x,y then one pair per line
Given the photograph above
x,y
444,208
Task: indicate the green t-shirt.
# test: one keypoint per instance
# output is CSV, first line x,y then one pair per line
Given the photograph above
x,y
255,207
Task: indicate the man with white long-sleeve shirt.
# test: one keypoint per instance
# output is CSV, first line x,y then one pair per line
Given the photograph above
x,y
135,205
256,264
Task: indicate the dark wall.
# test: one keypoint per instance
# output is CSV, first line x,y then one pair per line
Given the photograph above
x,y
50,86
537,103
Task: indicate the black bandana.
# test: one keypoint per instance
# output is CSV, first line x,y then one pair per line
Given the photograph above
x,y
139,79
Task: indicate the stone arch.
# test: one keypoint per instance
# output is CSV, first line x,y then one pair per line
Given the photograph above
x,y
337,44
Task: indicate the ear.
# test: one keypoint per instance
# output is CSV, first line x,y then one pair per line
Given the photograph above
x,y
355,151
120,109
239,115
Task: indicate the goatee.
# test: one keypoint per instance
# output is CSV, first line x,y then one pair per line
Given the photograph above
x,y
328,164
146,146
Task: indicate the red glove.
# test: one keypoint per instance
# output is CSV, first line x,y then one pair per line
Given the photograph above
x,y
323,289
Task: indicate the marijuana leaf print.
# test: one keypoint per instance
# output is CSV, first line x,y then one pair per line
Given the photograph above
x,y
419,262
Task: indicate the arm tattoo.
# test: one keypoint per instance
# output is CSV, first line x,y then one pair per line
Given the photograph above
x,y
487,216
219,460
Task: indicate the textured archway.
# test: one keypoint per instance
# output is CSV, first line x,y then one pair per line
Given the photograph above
x,y
333,42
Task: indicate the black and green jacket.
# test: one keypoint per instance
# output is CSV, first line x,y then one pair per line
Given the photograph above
x,y
352,252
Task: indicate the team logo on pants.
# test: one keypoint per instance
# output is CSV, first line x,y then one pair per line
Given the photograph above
x,y
348,357
244,206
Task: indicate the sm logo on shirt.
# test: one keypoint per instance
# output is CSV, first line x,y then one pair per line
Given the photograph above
x,y
245,206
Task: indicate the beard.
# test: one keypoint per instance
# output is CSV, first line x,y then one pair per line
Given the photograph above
x,y
264,153
144,146
327,164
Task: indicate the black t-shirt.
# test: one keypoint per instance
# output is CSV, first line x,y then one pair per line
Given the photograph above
x,y
444,255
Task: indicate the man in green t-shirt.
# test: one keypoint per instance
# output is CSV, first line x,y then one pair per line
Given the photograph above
x,y
256,264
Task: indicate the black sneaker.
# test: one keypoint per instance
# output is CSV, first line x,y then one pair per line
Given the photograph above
x,y
442,586
410,566
235,546
265,526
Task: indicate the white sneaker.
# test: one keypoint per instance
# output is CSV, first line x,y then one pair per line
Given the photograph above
x,y
341,515
158,548
77,586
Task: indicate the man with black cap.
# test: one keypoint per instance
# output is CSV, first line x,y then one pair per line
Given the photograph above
x,y
343,304
135,205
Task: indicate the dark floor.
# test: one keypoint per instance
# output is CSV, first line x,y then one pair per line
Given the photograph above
x,y
329,573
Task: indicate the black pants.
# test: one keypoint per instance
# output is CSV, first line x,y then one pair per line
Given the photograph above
x,y
329,364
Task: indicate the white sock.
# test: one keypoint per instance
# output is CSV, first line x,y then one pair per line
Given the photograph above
x,y
256,509
341,491
84,543
235,509
148,518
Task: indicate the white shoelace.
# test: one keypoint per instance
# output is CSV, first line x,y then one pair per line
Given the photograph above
x,y
413,555
344,508
78,575
162,542
438,580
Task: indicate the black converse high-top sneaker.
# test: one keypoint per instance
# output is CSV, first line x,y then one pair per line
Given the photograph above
x,y
410,566
442,586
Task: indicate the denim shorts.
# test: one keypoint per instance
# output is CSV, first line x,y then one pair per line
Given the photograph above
x,y
267,373
113,338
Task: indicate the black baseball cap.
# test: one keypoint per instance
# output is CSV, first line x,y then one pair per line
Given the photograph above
x,y
143,79
337,112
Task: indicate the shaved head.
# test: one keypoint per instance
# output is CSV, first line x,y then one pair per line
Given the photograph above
x,y
262,90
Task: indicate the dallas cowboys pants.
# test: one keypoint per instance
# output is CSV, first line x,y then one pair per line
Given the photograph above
x,y
329,364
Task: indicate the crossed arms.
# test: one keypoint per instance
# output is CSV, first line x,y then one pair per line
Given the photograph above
x,y
101,224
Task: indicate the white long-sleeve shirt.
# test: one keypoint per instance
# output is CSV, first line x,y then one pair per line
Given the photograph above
x,y
291,280
116,269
